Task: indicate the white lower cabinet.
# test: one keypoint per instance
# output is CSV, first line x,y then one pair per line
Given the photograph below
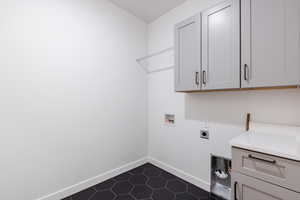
x,y
258,176
249,188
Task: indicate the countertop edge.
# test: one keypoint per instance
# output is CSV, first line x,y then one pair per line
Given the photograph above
x,y
266,151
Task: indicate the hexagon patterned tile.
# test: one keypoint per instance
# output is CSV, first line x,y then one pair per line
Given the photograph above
x,y
146,182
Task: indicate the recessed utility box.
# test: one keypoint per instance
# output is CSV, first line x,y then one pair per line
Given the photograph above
x,y
169,119
221,177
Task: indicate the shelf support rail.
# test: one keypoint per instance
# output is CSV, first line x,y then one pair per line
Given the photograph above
x,y
142,59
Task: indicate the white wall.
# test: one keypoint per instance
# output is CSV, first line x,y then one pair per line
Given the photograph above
x,y
73,99
222,112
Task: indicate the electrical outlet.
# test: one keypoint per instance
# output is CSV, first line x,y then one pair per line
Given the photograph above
x,y
204,134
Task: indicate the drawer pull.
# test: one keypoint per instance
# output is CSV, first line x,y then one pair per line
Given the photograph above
x,y
261,159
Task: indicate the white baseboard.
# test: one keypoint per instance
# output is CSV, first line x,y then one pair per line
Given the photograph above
x,y
181,174
112,173
93,181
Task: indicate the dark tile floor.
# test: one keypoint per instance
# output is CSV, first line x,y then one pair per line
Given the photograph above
x,y
146,182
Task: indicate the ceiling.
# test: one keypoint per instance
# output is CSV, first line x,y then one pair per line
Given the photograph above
x,y
148,10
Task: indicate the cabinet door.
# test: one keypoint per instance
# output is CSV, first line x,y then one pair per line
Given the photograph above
x,y
221,46
270,43
248,188
187,55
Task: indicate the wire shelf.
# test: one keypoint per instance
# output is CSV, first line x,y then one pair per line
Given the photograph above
x,y
143,61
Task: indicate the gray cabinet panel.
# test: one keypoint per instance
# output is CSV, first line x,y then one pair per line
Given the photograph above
x,y
279,171
187,54
248,188
221,46
270,43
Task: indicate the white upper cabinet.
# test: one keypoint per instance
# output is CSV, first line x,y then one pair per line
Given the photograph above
x,y
187,55
221,46
239,44
270,43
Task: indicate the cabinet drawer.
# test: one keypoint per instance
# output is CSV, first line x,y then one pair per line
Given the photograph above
x,y
248,188
279,171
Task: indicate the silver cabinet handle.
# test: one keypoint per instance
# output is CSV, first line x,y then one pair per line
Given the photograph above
x,y
235,187
262,159
246,72
197,78
204,81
